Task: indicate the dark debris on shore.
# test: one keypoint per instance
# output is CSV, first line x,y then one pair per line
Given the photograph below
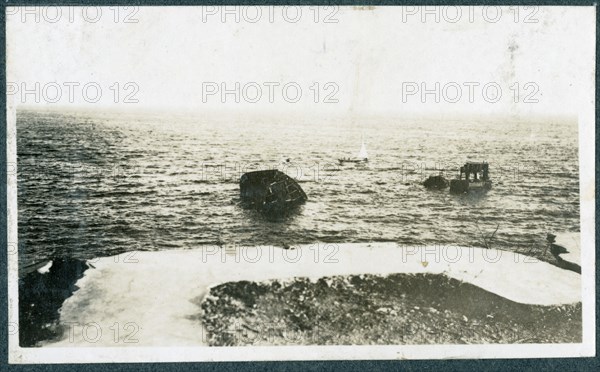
x,y
368,309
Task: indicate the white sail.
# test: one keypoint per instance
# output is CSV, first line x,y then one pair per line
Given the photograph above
x,y
362,154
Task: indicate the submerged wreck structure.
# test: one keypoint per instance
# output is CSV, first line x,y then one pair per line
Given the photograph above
x,y
435,183
271,192
480,181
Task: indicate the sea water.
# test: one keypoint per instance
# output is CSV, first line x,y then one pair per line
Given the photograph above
x,y
93,184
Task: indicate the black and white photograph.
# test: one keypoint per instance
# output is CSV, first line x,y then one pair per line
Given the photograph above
x,y
237,183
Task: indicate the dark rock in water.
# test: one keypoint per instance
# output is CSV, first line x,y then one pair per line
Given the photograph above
x,y
271,192
42,295
556,250
436,183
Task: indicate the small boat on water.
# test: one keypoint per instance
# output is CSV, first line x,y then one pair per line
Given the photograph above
x,y
480,181
362,156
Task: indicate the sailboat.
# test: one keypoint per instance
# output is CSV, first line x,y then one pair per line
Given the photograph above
x,y
362,156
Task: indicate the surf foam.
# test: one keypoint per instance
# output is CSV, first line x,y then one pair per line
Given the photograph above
x,y
152,298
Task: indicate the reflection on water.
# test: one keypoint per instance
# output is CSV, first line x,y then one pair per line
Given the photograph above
x,y
101,184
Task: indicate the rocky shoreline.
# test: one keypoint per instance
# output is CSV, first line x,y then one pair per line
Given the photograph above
x,y
395,309
370,293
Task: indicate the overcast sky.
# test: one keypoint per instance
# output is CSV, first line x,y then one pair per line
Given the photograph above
x,y
370,57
